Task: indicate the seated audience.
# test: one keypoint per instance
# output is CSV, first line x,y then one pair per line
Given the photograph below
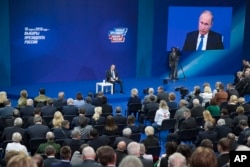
x,y
120,152
97,118
65,154
22,99
197,109
3,98
161,114
83,127
89,157
64,131
208,117
60,101
133,99
131,161
106,108
70,108
177,160
245,133
146,98
41,99
50,142
50,153
21,160
49,109
106,156
170,148
57,120
213,108
97,140
75,142
150,140
118,117
131,124
28,110
232,104
223,148
16,145
224,115
90,109
79,101
74,121
221,95
171,103
7,111
208,133
222,129
110,127
126,133
206,95
161,94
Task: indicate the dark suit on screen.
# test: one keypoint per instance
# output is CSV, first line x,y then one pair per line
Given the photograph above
x,y
214,41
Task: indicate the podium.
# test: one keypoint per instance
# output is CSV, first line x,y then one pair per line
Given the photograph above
x,y
102,85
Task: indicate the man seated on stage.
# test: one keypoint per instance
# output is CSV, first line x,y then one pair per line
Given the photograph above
x,y
112,76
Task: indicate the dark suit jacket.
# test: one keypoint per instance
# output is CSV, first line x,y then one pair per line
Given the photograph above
x,y
99,141
109,74
62,133
61,164
214,41
119,119
48,110
74,144
222,131
90,109
208,134
48,161
125,139
197,111
37,131
243,136
134,99
75,123
150,141
162,96
188,123
8,131
151,106
27,111
59,103
146,162
70,110
223,159
106,108
97,101
89,163
6,112
100,121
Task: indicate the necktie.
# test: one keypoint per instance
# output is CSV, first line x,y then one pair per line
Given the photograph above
x,y
113,74
201,43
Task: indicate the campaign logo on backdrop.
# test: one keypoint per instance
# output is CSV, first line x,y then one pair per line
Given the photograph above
x,y
117,35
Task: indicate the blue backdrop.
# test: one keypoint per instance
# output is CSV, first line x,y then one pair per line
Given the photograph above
x,y
76,45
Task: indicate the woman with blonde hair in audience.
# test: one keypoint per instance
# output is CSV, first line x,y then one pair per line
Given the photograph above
x,y
232,104
3,98
161,114
23,99
97,119
206,95
57,120
208,117
21,161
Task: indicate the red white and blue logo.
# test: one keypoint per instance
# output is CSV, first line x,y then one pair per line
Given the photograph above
x,y
117,35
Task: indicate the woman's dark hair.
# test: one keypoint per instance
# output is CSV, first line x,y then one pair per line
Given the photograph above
x,y
79,96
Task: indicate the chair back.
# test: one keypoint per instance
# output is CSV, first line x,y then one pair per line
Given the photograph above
x,y
34,144
172,112
155,151
134,107
188,134
100,129
168,124
136,137
199,121
151,115
69,117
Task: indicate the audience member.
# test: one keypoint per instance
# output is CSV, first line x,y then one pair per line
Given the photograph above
x,y
41,99
7,111
131,161
213,108
106,156
171,103
106,108
118,117
207,143
204,157
222,129
161,114
70,108
97,100
75,120
197,109
16,145
88,156
65,154
161,95
208,117
131,124
224,115
83,127
223,148
75,142
28,110
150,140
134,149
245,133
49,109
62,132
57,120
244,104
79,101
21,160
60,101
126,133
97,118
110,127
206,95
120,152
97,140
10,122
177,160
22,99
50,142
146,98
38,159
209,133
232,104
133,99
50,153
231,90
3,98
170,148
221,95
185,150
179,113
90,109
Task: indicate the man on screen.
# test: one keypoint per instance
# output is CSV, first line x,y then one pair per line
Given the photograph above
x,y
112,76
204,38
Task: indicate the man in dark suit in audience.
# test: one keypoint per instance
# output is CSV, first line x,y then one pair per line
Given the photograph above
x,y
162,95
106,108
8,131
245,132
37,130
49,109
28,110
90,109
134,149
75,120
64,132
74,143
96,140
10,122
197,110
30,121
222,129
7,111
50,153
60,101
223,147
209,133
70,108
89,156
97,100
120,152
118,117
126,137
65,154
189,121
